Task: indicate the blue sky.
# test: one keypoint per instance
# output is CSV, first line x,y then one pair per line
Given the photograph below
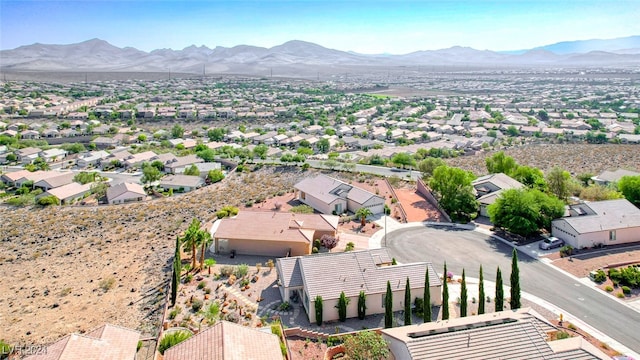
x,y
395,27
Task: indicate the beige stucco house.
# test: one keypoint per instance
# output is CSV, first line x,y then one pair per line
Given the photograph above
x,y
329,274
332,196
271,233
609,222
125,192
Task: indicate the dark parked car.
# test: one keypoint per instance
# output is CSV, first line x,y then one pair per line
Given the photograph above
x,y
551,242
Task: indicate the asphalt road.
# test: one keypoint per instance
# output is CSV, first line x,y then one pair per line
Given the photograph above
x,y
469,249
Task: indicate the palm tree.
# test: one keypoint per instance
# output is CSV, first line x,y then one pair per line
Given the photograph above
x,y
363,213
191,239
205,241
209,264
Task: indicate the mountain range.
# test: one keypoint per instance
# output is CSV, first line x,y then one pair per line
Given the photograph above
x,y
99,55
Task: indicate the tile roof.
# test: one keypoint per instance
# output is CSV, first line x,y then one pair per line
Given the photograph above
x,y
227,341
359,270
69,190
328,190
500,180
609,215
108,342
182,180
519,334
274,226
119,189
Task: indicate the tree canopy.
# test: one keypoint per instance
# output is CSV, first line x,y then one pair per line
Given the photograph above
x,y
455,192
558,182
629,186
525,211
366,345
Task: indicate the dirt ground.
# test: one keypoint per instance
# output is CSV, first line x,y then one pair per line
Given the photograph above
x,y
416,206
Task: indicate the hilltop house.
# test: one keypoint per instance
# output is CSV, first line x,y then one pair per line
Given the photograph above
x,y
609,222
612,177
106,342
181,183
306,277
125,192
489,187
68,193
331,196
271,233
511,334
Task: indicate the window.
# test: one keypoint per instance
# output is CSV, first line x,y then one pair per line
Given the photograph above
x,y
612,235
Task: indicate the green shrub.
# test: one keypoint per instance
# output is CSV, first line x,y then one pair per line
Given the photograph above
x,y
317,243
562,335
284,306
350,246
572,327
174,312
418,302
314,250
626,290
600,276
620,295
608,288
196,305
302,209
201,285
566,250
172,339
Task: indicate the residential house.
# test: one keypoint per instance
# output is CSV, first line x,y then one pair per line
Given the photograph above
x,y
10,178
612,177
511,334
53,155
227,341
30,134
92,158
180,164
27,155
332,196
489,187
271,233
68,193
181,183
33,176
103,142
307,277
136,160
609,222
106,342
125,192
57,180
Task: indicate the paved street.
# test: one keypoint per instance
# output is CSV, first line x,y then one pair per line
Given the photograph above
x,y
469,249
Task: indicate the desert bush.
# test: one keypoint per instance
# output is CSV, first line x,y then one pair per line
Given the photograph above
x,y
314,250
350,246
608,288
201,285
284,306
107,284
620,295
226,270
572,327
196,305
241,270
232,317
172,339
562,335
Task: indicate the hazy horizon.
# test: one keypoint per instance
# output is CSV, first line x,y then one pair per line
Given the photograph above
x,y
367,27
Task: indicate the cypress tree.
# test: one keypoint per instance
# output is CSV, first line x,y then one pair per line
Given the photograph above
x,y
342,307
499,292
362,305
388,307
407,303
175,276
426,304
463,296
481,295
445,295
515,281
318,305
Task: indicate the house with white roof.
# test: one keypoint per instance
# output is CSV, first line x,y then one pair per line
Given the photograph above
x,y
332,196
612,177
125,192
610,222
306,277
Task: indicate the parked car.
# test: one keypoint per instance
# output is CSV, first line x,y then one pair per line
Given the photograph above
x,y
550,243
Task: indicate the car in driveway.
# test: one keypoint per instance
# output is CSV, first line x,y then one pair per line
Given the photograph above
x,y
550,243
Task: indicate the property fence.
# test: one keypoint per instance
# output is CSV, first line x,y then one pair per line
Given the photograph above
x,y
403,214
423,190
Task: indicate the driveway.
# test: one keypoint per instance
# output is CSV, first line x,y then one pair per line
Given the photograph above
x,y
469,249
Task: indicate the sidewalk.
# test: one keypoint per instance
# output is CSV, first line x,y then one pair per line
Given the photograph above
x,y
532,251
